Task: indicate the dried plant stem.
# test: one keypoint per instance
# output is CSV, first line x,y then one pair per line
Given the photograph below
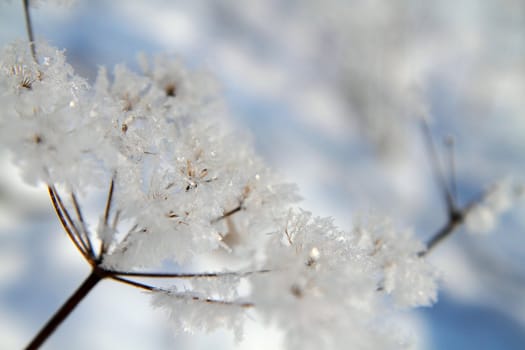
x,y
455,214
453,223
456,218
185,275
29,28
103,246
82,241
75,239
438,173
83,228
228,214
62,313
182,295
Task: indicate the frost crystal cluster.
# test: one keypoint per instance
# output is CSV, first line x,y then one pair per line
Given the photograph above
x,y
184,184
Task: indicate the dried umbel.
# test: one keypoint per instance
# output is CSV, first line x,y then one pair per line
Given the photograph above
x,y
180,184
179,181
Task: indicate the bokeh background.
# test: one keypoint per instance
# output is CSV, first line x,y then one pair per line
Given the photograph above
x,y
332,93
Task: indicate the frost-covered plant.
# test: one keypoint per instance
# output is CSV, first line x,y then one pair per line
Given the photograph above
x,y
181,184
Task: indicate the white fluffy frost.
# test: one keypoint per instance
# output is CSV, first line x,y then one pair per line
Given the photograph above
x,y
185,184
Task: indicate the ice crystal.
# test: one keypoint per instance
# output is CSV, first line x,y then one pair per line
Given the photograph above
x,y
323,279
182,183
402,272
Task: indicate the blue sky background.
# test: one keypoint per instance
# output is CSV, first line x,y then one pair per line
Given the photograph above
x,y
331,92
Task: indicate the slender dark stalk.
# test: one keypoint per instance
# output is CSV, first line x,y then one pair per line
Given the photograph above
x,y
50,327
65,225
134,283
453,223
456,218
184,275
84,230
227,214
449,142
72,225
29,28
438,173
456,215
195,298
103,247
108,202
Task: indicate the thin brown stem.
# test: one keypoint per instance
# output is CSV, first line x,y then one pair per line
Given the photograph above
x,y
449,142
29,28
227,214
455,219
438,174
135,283
70,221
83,227
108,202
107,210
64,223
66,309
453,223
185,275
182,295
